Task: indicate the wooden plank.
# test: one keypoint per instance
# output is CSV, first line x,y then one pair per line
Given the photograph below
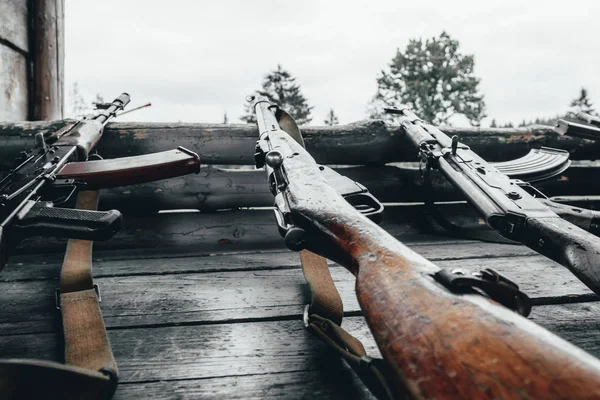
x,y
203,351
220,188
267,348
175,297
232,230
13,85
578,323
13,25
47,100
110,263
335,382
361,143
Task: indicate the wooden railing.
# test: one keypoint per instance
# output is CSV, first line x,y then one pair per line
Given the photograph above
x,y
369,152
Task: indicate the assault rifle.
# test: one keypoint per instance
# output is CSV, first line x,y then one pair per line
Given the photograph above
x,y
511,207
590,130
59,165
438,332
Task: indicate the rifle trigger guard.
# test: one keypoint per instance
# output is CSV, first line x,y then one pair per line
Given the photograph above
x,y
488,281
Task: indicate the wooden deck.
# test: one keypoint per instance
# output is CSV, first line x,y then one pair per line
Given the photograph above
x,y
205,305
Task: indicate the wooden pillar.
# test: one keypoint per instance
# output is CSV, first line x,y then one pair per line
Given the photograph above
x,y
46,99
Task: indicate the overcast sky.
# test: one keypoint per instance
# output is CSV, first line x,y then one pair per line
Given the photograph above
x,y
195,60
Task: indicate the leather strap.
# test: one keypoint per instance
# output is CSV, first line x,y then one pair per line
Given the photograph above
x,y
326,300
90,370
86,341
324,318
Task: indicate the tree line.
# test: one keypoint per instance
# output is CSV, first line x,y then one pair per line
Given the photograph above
x,y
432,77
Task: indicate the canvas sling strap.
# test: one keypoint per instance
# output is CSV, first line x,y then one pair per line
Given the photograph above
x,y
323,317
90,371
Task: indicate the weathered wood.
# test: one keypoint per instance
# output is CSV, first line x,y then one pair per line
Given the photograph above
x,y
221,188
13,85
13,26
188,292
264,357
111,263
203,351
564,320
334,383
360,143
233,230
47,52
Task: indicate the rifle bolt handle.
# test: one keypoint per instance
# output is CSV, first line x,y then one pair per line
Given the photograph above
x,y
274,159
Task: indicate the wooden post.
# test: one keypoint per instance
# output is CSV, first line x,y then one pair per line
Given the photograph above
x,y
46,96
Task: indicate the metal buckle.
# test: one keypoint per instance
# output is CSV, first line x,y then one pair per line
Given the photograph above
x,y
57,295
305,317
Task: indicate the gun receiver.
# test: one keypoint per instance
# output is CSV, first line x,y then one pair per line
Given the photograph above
x,y
268,155
509,206
437,344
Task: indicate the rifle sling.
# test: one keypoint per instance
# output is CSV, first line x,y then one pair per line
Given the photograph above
x,y
90,370
324,318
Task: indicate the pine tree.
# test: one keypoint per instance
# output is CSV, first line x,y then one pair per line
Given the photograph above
x,y
331,118
281,88
225,118
493,124
78,107
434,79
582,103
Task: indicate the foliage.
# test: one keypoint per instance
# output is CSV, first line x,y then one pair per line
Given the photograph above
x,y
331,118
78,104
280,87
582,103
434,79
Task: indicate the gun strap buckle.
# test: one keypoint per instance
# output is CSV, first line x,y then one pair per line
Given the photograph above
x,y
57,295
488,281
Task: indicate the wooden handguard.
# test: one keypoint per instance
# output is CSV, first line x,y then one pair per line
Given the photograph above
x,y
438,345
131,170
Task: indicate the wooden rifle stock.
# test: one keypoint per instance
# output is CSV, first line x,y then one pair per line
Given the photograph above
x,y
438,345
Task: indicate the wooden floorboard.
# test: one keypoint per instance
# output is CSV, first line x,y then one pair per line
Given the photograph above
x,y
198,296
215,311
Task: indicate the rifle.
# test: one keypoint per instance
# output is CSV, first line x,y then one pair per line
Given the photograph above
x,y
439,337
509,206
583,131
59,165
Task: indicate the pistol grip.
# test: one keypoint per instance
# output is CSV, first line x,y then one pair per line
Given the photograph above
x,y
41,219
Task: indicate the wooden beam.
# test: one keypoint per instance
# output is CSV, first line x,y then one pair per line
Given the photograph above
x,y
360,143
220,188
47,56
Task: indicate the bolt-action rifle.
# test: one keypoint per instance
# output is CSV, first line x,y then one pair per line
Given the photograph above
x,y
440,334
59,165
